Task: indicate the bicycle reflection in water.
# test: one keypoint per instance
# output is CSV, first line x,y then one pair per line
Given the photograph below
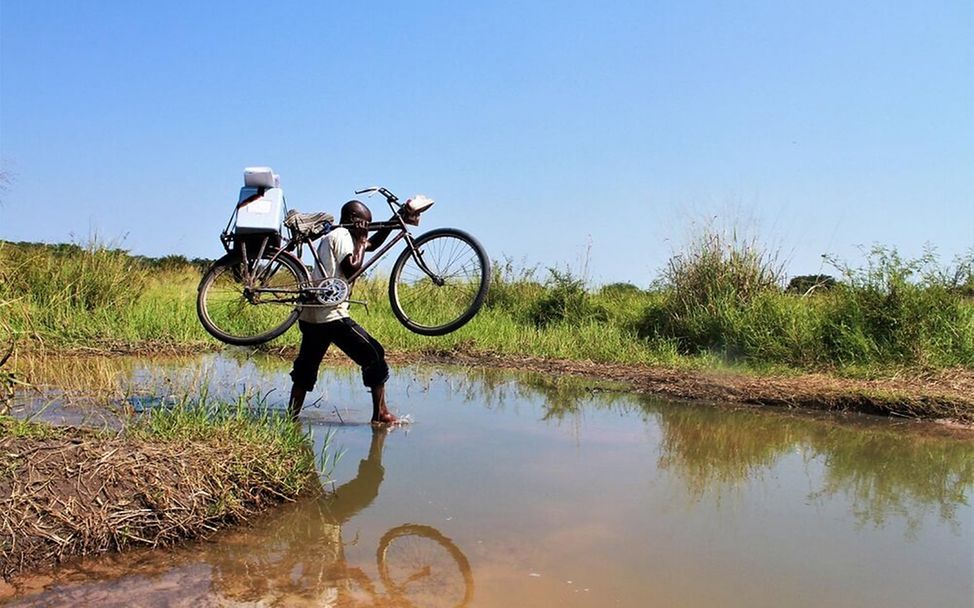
x,y
300,559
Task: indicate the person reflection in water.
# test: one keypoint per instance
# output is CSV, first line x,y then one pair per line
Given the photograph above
x,y
299,559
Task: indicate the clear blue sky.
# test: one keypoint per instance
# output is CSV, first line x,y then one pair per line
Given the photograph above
x,y
554,131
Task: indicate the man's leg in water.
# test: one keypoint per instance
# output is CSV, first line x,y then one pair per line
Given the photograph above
x,y
296,402
369,354
380,413
314,343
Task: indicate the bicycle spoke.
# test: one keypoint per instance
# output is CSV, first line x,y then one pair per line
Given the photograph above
x,y
236,310
440,284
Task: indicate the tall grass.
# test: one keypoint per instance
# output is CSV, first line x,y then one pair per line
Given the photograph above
x,y
711,289
55,287
724,297
900,310
719,299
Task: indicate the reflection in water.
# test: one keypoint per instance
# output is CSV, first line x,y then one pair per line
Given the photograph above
x,y
908,476
882,472
561,488
708,450
301,556
295,559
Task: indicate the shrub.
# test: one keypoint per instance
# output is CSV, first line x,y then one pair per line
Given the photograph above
x,y
898,310
565,299
619,290
708,290
807,284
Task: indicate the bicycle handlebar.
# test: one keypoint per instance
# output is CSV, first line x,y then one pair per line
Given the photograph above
x,y
393,202
392,198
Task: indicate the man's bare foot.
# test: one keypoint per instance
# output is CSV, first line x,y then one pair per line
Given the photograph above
x,y
385,418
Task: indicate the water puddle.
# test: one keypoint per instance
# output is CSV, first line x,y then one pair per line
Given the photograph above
x,y
516,490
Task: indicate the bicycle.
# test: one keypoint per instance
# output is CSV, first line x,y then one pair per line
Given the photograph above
x,y
437,284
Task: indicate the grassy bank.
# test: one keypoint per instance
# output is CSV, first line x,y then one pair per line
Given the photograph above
x,y
720,301
173,474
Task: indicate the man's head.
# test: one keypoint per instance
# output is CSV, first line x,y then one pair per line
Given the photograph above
x,y
355,210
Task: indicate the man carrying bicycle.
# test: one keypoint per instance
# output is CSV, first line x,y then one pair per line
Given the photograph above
x,y
342,252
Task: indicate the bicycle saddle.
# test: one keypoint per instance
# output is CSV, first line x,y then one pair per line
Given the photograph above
x,y
311,225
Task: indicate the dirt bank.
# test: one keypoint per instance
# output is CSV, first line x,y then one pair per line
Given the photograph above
x,y
67,492
945,396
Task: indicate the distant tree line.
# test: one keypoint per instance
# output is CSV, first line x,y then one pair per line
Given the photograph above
x,y
166,262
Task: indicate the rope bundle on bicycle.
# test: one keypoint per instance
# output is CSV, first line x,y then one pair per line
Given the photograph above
x,y
308,225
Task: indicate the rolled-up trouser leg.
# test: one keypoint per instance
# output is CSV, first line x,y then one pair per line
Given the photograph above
x,y
363,349
315,339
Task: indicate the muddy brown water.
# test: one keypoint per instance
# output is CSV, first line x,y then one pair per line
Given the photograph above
x,y
519,490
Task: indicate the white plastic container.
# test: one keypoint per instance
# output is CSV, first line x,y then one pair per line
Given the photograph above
x,y
263,214
260,177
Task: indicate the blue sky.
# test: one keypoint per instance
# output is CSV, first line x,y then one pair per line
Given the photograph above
x,y
580,134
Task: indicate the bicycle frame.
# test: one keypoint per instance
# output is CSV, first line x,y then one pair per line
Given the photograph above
x,y
294,242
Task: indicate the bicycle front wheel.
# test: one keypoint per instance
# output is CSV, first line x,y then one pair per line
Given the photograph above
x,y
440,283
253,304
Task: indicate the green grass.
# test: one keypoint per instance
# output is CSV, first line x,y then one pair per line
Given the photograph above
x,y
281,449
26,429
720,301
289,459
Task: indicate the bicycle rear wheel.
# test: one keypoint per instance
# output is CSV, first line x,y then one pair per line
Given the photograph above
x,y
422,568
443,287
247,306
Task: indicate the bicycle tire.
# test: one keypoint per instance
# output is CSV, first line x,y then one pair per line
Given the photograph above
x,y
431,538
426,308
231,316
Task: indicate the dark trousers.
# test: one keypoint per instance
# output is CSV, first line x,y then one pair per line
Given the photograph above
x,y
347,335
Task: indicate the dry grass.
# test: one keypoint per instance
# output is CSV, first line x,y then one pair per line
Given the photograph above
x,y
68,492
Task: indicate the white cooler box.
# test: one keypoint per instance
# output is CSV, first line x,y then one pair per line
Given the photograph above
x,y
264,213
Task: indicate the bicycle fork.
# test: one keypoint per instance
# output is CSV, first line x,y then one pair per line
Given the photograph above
x,y
437,280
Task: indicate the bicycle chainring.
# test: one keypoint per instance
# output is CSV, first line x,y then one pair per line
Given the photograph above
x,y
332,291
